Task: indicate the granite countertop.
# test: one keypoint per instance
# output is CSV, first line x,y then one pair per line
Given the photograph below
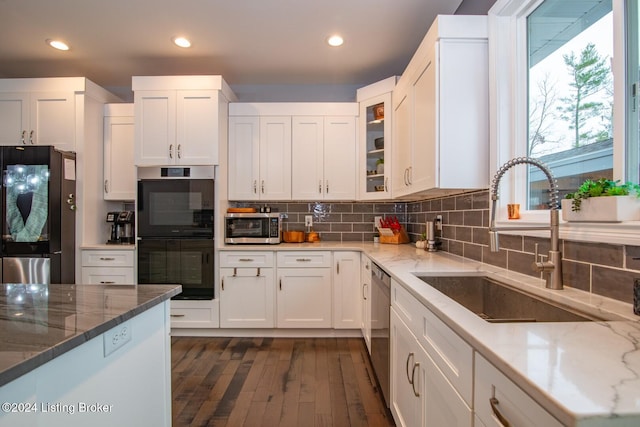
x,y
579,371
41,322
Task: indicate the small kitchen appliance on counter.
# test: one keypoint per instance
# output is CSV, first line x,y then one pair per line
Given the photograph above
x,y
122,227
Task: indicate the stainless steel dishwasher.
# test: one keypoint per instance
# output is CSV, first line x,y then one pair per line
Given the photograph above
x,y
380,310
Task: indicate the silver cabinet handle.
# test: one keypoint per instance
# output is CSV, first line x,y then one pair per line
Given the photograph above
x,y
413,380
105,258
327,186
494,407
31,137
222,283
337,267
235,271
262,186
177,315
280,283
22,137
386,184
258,273
255,186
319,186
364,292
171,151
107,282
410,175
179,151
406,177
106,185
245,259
303,259
409,356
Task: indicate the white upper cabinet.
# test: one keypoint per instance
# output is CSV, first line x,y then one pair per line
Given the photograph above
x,y
440,111
119,170
180,120
38,118
259,158
292,151
375,140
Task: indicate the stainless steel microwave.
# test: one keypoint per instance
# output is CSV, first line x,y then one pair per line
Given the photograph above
x,y
252,228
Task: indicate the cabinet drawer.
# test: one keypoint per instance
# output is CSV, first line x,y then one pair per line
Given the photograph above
x,y
107,276
194,314
246,259
304,259
120,258
407,307
517,407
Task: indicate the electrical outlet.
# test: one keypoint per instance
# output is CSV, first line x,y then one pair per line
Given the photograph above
x,y
308,220
439,222
377,220
116,337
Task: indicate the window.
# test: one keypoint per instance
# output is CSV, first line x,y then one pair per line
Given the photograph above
x,y
581,128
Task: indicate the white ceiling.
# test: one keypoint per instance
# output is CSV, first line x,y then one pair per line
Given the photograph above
x,y
248,42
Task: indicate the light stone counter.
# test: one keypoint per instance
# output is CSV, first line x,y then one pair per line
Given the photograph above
x,y
583,372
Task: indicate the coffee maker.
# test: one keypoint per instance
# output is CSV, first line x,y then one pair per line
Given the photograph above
x,y
122,227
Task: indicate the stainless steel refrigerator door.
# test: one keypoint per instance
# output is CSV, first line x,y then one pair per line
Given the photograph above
x,y
26,270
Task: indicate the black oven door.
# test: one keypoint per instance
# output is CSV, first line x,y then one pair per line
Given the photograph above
x,y
175,208
186,262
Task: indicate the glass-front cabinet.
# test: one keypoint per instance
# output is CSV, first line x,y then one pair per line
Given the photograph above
x,y
375,140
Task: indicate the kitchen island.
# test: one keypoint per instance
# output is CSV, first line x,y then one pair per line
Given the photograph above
x,y
78,355
582,373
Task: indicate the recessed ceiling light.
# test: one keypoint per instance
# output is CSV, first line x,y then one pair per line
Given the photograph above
x,y
182,42
335,41
57,44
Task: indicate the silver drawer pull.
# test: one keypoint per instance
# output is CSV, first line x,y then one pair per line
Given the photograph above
x,y
413,380
104,258
245,259
303,259
177,315
106,282
494,407
409,356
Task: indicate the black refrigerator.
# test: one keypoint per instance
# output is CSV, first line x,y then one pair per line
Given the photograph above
x,y
38,211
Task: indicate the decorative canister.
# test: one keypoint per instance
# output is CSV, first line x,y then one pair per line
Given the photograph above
x,y
378,112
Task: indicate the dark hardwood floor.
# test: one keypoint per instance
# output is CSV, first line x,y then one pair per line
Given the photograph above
x,y
272,382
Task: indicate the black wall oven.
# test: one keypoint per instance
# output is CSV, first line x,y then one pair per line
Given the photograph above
x,y
175,212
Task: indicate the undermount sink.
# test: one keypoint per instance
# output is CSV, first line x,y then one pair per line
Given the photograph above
x,y
499,303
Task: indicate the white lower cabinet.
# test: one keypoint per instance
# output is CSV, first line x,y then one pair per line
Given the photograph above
x,y
347,295
304,298
108,267
420,393
365,279
247,290
499,402
194,314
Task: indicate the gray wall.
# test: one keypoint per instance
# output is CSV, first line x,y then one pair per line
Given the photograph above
x,y
474,7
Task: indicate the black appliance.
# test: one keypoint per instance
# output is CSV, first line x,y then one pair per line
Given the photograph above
x,y
38,206
122,227
380,330
175,211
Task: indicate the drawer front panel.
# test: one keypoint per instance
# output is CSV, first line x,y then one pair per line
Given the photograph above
x,y
301,259
108,258
246,259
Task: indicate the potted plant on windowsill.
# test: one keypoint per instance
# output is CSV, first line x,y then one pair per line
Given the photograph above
x,y
602,200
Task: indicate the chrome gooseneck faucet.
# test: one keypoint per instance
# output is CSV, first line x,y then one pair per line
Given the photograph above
x,y
553,266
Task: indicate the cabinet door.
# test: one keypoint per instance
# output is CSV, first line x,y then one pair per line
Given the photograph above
x,y
119,170
407,399
197,127
401,148
244,158
275,158
374,185
307,176
365,279
304,298
443,405
14,118
155,118
347,295
52,118
247,298
340,158
425,155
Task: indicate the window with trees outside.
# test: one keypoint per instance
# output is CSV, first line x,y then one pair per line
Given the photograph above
x,y
564,84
